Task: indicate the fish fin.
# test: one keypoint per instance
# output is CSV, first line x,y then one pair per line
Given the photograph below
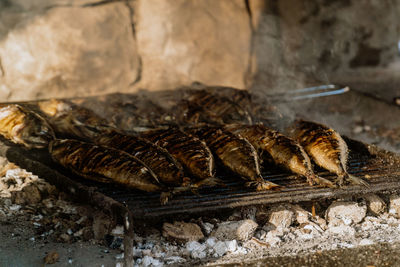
x,y
210,181
323,182
180,189
164,197
195,192
355,180
263,185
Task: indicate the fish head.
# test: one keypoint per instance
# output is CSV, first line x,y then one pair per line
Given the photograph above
x,y
36,132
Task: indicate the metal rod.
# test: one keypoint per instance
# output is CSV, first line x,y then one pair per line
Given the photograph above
x,y
321,94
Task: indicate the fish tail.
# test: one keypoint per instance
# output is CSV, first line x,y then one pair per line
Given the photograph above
x,y
164,197
322,181
167,195
210,181
356,180
262,185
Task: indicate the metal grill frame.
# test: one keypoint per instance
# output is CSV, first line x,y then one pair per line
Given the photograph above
x,y
381,166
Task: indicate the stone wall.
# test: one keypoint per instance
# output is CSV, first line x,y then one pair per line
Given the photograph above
x,y
67,48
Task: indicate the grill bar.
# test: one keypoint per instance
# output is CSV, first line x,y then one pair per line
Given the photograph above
x,y
379,167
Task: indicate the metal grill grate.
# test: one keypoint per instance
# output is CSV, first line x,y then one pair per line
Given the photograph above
x,y
380,168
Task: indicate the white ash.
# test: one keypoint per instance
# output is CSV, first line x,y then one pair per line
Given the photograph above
x,y
311,235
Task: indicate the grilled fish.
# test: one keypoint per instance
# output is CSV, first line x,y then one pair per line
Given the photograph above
x,y
203,106
283,150
106,165
326,147
192,153
158,159
23,126
128,111
235,153
70,120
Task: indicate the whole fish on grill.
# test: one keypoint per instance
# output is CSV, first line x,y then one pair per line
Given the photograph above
x,y
283,150
23,126
326,147
234,153
195,157
71,120
158,159
201,106
106,165
251,107
129,111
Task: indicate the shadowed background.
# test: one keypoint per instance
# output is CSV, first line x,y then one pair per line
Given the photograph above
x,y
67,48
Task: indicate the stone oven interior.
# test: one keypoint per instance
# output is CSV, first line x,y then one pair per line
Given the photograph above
x,y
133,61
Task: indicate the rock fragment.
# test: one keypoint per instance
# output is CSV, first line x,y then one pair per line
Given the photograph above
x,y
182,232
301,215
197,250
345,212
238,230
101,226
150,261
51,258
375,204
281,216
220,249
210,242
394,205
207,227
231,245
249,213
65,238
272,238
174,260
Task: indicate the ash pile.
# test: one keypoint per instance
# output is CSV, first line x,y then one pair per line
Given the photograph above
x,y
54,218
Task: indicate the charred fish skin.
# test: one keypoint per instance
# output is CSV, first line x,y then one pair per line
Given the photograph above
x,y
193,154
71,120
104,164
326,147
202,106
23,126
158,159
235,153
284,151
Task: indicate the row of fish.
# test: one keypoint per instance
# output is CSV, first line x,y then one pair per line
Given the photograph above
x,y
173,159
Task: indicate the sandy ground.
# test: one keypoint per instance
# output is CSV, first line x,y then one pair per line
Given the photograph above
x,y
19,247
376,255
